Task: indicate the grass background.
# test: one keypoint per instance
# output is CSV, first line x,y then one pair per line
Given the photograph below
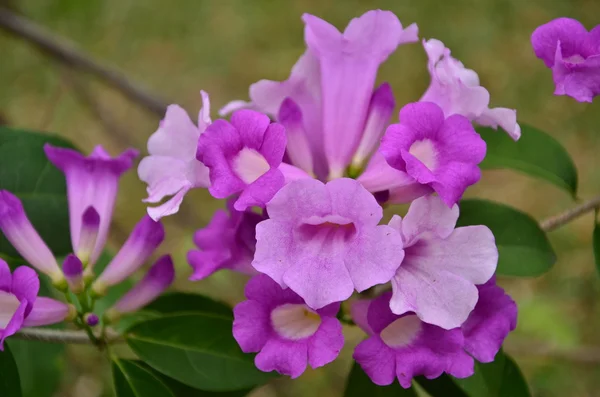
x,y
178,47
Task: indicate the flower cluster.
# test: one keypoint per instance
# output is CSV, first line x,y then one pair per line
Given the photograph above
x,y
306,166
92,185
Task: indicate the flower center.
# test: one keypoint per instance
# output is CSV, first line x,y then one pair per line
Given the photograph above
x,y
424,150
401,332
326,234
8,306
295,321
249,165
575,59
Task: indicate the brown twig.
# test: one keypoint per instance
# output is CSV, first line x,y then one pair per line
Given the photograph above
x,y
569,215
67,53
61,336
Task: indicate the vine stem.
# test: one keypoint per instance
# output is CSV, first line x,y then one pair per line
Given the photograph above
x,y
63,336
556,221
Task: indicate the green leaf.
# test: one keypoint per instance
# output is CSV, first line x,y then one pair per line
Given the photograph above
x,y
25,171
197,350
536,154
9,375
180,302
596,244
443,386
523,247
360,385
500,378
180,390
41,366
132,380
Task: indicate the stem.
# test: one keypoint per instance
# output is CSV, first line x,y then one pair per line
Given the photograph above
x,y
67,53
62,336
569,215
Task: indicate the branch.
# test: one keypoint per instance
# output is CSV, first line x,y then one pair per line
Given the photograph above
x,y
567,216
61,336
66,52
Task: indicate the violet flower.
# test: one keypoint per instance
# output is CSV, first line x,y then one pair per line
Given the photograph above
x,y
573,54
243,157
286,333
436,152
155,282
171,169
227,242
91,182
442,265
90,227
25,239
403,346
323,241
73,270
19,304
456,90
146,236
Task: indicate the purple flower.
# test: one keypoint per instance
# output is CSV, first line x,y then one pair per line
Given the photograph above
x,y
348,63
155,282
456,90
323,241
298,146
90,227
493,318
332,86
172,169
141,243
437,152
91,182
402,347
573,54
442,265
19,305
25,239
287,334
243,156
228,242
73,270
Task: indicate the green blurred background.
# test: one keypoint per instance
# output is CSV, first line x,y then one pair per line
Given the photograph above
x,y
176,48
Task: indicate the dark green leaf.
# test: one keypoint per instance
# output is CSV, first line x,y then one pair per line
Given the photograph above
x,y
501,378
180,302
443,386
360,385
596,244
523,247
536,154
9,375
25,171
132,380
181,390
41,366
197,350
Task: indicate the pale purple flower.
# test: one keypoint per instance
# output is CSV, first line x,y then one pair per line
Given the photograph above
x,y
90,227
348,63
73,270
332,85
155,282
243,157
402,347
573,54
19,304
91,182
286,333
442,265
298,147
144,239
323,241
493,318
440,153
457,90
227,242
24,238
171,169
